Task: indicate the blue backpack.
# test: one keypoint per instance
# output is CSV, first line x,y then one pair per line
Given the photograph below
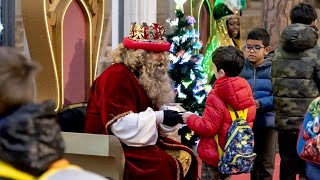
x,y
237,156
308,144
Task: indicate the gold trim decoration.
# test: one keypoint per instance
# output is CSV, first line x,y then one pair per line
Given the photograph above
x,y
175,145
114,119
43,21
71,106
144,33
178,168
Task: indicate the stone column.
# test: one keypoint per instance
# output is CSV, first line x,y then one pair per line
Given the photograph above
x,y
166,10
116,22
139,11
8,19
20,36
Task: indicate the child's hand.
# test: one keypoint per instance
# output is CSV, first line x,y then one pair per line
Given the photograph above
x,y
257,104
185,116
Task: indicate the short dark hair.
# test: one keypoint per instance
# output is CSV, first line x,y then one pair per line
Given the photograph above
x,y
260,34
303,13
230,59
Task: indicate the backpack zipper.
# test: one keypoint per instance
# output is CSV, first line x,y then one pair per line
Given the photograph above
x,y
238,155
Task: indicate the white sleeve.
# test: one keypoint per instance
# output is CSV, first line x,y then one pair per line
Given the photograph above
x,y
137,129
167,130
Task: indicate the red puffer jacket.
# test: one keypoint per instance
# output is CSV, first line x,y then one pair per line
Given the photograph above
x,y
216,118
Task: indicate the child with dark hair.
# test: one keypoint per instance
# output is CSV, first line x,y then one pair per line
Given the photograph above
x,y
303,13
228,89
31,145
296,82
257,71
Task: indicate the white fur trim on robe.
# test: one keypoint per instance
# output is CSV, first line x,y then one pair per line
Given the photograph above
x,y
137,129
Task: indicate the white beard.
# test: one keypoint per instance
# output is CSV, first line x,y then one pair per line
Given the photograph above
x,y
157,84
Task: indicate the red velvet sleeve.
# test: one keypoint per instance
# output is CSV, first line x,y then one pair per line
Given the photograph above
x,y
114,95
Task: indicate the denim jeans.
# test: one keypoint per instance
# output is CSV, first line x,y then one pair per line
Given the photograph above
x,y
313,171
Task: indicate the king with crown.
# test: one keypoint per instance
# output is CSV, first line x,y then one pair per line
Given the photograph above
x,y
128,100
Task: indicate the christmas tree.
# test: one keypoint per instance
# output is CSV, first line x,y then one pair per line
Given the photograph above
x,y
186,69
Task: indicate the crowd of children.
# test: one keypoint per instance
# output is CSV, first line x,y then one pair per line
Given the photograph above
x,y
283,84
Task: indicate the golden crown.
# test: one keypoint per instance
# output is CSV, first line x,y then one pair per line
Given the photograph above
x,y
145,33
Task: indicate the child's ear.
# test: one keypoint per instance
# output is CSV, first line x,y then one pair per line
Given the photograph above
x,y
267,50
222,73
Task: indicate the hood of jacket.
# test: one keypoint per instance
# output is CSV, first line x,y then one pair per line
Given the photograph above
x,y
234,91
298,37
30,138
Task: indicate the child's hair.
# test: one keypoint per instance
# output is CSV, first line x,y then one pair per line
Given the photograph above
x,y
303,13
230,59
261,35
16,79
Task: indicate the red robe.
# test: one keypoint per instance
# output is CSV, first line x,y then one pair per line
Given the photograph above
x,y
115,94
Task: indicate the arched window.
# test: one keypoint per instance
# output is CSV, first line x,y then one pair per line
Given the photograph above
x,y
202,11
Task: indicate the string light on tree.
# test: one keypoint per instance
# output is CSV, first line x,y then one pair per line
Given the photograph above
x,y
186,69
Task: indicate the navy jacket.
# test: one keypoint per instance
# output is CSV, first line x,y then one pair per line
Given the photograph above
x,y
259,79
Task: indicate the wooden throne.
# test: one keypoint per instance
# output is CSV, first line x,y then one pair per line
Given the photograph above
x,y
64,36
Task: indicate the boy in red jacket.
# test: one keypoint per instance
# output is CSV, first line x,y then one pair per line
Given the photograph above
x,y
228,89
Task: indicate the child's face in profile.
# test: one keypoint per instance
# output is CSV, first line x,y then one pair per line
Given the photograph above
x,y
255,51
233,25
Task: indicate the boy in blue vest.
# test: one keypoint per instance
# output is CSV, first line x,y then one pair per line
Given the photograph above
x,y
257,71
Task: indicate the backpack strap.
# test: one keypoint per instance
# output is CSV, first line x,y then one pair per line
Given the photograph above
x,y
237,114
234,115
220,150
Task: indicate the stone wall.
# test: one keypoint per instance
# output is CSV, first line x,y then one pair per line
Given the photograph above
x,y
252,18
